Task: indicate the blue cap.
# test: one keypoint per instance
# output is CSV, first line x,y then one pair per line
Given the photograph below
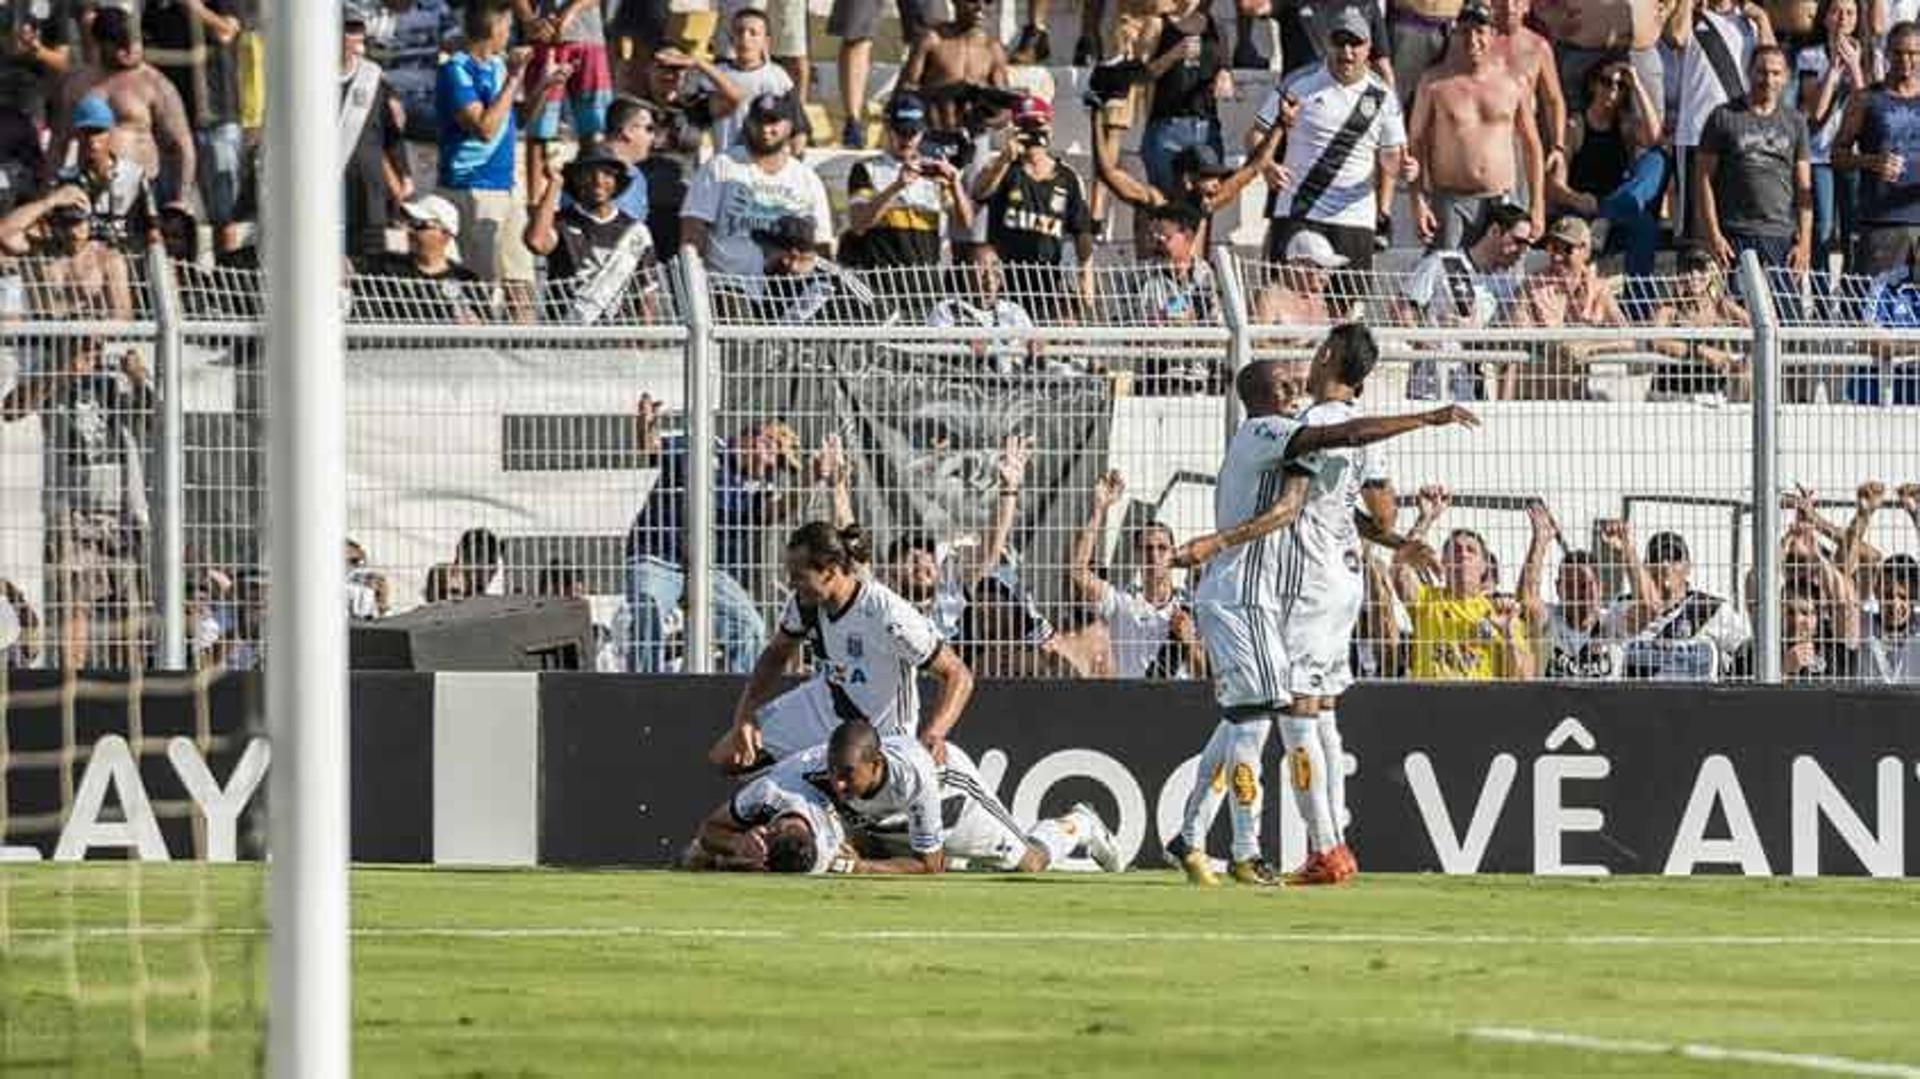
x,y
906,112
92,113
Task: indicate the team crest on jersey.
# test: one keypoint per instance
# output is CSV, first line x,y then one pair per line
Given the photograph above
x,y
1368,106
1352,559
856,648
1014,195
1059,202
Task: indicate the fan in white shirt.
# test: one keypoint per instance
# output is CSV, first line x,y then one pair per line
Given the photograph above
x,y
1151,628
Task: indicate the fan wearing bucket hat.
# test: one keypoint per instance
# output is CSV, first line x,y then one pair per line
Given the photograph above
x,y
898,203
586,236
750,186
115,185
1345,146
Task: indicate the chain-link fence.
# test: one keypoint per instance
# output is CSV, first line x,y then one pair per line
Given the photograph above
x,y
1024,446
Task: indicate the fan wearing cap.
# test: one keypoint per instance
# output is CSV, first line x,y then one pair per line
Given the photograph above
x,y
1674,631
1569,291
375,153
1469,115
899,201
1344,147
1298,294
591,237
148,120
1034,202
427,284
118,191
1201,177
749,187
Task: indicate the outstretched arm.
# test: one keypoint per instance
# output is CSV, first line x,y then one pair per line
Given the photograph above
x,y
1284,511
1087,584
1367,430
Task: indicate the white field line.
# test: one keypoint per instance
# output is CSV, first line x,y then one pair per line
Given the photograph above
x,y
1817,1062
1033,936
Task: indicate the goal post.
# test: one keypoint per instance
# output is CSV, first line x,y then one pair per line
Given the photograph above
x,y
309,1005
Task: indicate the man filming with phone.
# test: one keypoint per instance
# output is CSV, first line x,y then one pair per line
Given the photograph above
x,y
1034,202
898,203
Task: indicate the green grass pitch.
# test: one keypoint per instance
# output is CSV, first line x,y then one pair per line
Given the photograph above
x,y
468,974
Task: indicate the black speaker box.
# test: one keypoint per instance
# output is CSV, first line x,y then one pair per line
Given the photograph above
x,y
485,633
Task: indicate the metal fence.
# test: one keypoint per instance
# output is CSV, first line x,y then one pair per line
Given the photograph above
x,y
1007,436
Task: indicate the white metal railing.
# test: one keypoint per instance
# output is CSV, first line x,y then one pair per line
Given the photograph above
x,y
499,444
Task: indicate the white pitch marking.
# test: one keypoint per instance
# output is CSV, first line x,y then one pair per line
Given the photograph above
x,y
1003,935
1818,1062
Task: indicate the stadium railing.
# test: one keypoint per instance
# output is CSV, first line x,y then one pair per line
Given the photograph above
x,y
502,444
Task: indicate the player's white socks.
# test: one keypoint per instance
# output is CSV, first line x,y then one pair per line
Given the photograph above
x,y
1243,780
1203,801
1331,747
1307,776
1061,836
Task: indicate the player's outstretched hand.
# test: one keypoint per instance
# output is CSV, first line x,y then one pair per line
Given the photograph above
x,y
746,745
1449,416
1196,552
936,746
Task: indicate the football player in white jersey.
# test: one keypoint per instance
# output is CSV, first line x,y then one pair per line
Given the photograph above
x,y
779,822
1241,602
981,830
866,646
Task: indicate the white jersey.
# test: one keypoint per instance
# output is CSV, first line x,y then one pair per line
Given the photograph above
x,y
795,786
911,788
1138,630
1247,575
1574,653
1891,658
1325,104
1700,89
1325,541
867,654
734,197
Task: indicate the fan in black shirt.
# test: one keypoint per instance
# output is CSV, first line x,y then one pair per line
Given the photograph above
x,y
425,285
1034,203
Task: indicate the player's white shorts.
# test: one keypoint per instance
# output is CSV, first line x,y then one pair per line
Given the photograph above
x,y
983,831
803,717
1318,631
798,719
1247,651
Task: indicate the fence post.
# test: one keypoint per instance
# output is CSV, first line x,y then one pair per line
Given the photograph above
x,y
700,404
169,526
1237,312
1765,359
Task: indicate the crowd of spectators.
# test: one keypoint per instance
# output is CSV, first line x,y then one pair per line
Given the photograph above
x,y
507,156
537,160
